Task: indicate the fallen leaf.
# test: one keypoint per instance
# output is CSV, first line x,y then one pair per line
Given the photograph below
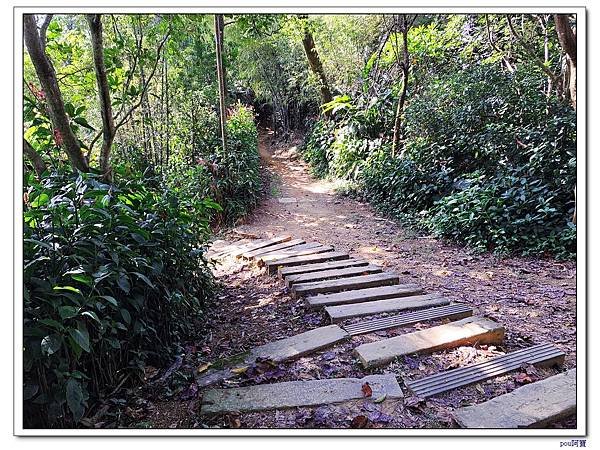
x,y
203,367
480,389
359,421
523,378
239,370
366,390
234,422
380,398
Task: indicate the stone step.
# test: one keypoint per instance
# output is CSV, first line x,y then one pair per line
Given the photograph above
x,y
534,405
271,248
542,355
343,312
345,284
463,332
293,394
300,344
308,268
273,266
363,295
452,312
331,274
305,249
261,243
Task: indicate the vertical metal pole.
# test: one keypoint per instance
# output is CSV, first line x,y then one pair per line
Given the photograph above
x,y
220,78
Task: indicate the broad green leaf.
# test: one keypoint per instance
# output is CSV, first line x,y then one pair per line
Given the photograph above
x,y
51,344
75,401
66,312
81,336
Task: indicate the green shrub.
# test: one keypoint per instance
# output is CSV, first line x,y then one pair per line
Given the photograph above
x,y
114,276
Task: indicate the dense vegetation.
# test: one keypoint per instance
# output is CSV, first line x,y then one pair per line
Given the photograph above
x,y
463,125
486,155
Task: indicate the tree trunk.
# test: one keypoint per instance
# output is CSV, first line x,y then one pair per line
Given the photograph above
x,y
38,163
108,125
220,77
316,66
568,42
402,99
64,136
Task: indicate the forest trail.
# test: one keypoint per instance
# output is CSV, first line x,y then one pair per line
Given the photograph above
x,y
533,300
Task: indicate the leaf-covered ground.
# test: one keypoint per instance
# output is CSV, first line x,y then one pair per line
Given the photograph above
x,y
533,298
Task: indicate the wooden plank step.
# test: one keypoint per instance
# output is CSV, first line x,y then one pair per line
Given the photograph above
x,y
543,355
301,250
292,394
271,248
452,312
345,284
342,312
331,274
464,332
534,405
305,259
363,295
259,244
308,268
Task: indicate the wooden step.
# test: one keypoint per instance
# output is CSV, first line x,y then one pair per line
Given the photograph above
x,y
271,248
464,332
308,268
542,355
345,284
343,312
222,252
363,295
534,405
331,274
452,312
291,394
273,266
259,244
305,249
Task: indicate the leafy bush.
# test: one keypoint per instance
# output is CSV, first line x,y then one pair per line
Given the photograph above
x,y
114,275
490,167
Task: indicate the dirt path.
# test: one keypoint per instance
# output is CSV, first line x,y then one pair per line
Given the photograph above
x,y
534,299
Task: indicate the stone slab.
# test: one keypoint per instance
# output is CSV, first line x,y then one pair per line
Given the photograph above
x,y
345,284
343,312
273,266
292,394
534,405
363,295
308,268
300,344
463,332
261,243
271,248
331,274
305,249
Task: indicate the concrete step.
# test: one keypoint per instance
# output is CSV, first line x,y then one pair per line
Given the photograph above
x,y
345,284
273,266
363,295
308,268
330,274
534,405
343,312
292,394
463,332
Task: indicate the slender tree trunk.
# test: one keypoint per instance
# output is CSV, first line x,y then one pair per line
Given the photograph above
x,y
402,100
221,77
568,42
64,136
314,61
108,125
36,160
